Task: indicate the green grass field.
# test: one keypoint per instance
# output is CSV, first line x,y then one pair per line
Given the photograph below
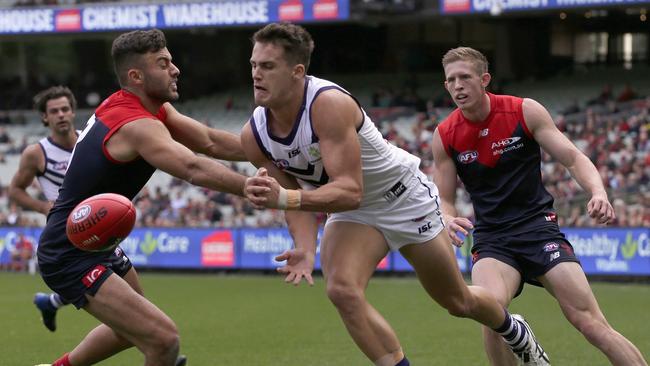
x,y
258,320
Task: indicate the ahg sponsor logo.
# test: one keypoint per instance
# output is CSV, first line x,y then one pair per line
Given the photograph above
x,y
508,144
505,142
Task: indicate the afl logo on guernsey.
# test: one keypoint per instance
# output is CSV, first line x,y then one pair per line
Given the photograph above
x,y
467,157
62,165
81,213
281,164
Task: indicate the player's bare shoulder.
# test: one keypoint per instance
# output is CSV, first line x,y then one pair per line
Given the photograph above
x,y
249,144
333,107
535,114
33,158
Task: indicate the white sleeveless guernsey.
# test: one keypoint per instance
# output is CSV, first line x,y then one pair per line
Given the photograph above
x,y
56,164
384,165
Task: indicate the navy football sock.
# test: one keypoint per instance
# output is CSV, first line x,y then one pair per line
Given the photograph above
x,y
404,362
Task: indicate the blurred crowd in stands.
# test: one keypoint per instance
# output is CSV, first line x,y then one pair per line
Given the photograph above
x,y
611,130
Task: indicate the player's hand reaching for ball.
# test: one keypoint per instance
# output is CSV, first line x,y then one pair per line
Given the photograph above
x,y
300,264
262,190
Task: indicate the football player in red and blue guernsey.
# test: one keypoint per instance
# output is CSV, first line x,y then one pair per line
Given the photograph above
x,y
493,143
132,133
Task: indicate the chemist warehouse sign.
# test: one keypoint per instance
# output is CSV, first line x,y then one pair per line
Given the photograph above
x,y
99,18
497,6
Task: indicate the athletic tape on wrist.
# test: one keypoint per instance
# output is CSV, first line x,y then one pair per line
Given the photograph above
x,y
293,199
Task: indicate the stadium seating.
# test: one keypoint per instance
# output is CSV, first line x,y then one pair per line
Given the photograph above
x,y
620,128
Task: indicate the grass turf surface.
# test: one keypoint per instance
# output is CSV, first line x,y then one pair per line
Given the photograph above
x,y
252,320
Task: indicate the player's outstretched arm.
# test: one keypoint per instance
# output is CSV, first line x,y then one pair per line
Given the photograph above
x,y
200,138
150,139
544,131
31,161
445,179
302,225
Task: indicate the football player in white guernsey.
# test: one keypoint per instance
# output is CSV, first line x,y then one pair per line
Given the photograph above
x,y
318,151
47,161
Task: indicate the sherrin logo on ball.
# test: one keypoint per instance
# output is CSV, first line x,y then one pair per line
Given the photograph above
x,y
100,222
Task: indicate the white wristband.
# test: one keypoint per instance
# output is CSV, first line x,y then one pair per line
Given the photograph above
x,y
282,199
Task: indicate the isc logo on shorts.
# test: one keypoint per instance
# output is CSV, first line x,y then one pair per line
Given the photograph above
x,y
424,228
92,275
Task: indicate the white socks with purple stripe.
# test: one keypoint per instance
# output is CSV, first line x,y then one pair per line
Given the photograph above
x,y
514,333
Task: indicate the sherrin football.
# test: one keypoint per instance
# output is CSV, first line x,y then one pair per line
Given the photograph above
x,y
101,222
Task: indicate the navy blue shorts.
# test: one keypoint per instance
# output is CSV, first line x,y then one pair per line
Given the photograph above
x,y
73,282
532,253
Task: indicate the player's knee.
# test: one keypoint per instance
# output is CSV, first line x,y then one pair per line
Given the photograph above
x,y
165,338
458,307
344,296
588,324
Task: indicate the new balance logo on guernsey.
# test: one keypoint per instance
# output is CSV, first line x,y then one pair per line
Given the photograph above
x,y
483,133
92,275
551,217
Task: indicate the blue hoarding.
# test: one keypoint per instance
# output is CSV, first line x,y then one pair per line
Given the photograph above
x,y
612,251
498,6
607,251
98,17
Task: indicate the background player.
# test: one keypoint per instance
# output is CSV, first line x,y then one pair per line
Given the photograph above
x,y
47,161
493,143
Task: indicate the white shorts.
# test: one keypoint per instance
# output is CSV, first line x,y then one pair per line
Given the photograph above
x,y
414,217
